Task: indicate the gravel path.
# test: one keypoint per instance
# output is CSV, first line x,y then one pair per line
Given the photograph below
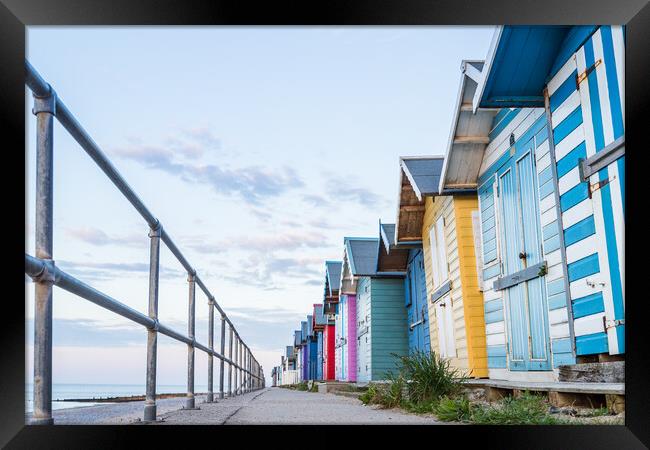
x,y
283,406
116,413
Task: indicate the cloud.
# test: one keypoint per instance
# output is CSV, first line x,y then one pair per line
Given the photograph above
x,y
262,215
96,236
91,333
341,189
106,271
253,183
316,200
204,136
290,240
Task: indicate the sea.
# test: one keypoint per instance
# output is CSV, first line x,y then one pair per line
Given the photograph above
x,y
62,391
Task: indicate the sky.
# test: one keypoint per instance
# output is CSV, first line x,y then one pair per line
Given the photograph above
x,y
258,149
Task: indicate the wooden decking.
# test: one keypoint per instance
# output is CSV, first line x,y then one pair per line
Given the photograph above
x,y
558,386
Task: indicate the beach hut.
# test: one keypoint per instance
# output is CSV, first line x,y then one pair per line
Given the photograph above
x,y
298,350
564,128
330,305
304,342
441,223
408,259
319,325
312,348
380,322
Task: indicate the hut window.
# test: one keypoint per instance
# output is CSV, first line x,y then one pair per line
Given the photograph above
x,y
438,252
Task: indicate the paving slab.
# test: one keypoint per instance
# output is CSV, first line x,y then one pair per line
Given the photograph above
x,y
279,406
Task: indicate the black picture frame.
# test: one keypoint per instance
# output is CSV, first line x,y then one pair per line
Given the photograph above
x,y
15,15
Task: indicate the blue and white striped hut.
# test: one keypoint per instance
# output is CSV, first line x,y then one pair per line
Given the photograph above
x,y
551,179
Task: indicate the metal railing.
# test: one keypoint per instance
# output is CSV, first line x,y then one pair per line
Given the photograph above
x,y
248,373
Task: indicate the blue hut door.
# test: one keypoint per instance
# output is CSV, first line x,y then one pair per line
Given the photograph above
x,y
416,301
528,338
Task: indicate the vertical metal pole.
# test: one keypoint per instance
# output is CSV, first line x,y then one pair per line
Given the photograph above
x,y
211,346
44,109
152,333
223,353
189,401
237,364
230,364
241,364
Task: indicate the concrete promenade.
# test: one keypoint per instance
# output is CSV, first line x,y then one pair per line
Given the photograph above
x,y
275,406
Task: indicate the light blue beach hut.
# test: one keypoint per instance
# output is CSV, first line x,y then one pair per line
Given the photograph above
x,y
407,259
381,328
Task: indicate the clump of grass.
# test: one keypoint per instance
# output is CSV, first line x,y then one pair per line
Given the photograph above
x,y
429,376
386,395
302,386
527,409
453,409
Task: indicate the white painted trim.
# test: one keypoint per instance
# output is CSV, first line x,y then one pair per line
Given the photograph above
x,y
555,272
548,216
619,57
589,324
544,162
581,249
558,316
516,375
501,143
561,76
554,258
577,213
597,206
494,328
570,180
496,37
608,132
414,186
587,122
546,203
542,150
566,108
571,141
603,88
496,339
586,286
560,330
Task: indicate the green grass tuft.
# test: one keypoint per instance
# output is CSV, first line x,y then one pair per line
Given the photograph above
x,y
527,409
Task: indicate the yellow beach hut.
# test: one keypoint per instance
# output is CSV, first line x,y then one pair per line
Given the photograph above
x,y
444,223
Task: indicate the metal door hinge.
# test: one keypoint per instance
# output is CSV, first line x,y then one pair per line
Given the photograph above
x,y
607,324
594,187
580,78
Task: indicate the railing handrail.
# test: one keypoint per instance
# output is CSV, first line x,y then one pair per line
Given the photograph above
x,y
41,88
47,105
36,267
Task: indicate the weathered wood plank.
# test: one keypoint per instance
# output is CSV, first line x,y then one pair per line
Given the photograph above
x,y
602,372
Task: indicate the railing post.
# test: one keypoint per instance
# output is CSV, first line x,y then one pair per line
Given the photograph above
x,y
44,110
210,356
230,363
237,364
152,333
190,401
223,353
